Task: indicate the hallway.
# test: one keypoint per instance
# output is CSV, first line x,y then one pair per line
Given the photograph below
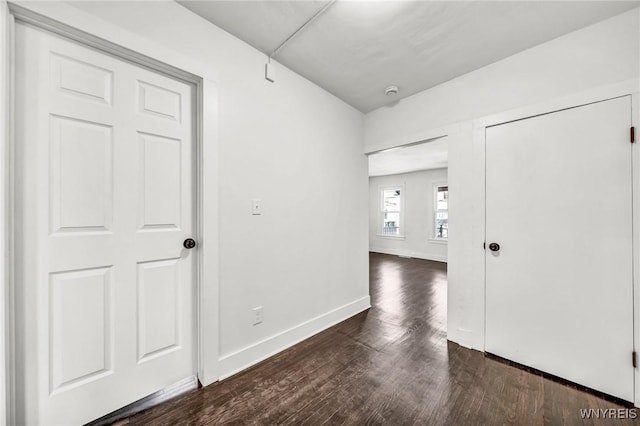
x,y
390,365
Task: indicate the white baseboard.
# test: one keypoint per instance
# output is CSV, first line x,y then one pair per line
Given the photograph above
x,y
404,253
244,358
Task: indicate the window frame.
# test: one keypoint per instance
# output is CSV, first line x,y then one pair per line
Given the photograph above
x,y
401,232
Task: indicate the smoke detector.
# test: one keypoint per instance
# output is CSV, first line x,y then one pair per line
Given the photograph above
x,y
391,90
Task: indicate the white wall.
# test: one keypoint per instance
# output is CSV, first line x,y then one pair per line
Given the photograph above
x,y
601,55
419,221
299,149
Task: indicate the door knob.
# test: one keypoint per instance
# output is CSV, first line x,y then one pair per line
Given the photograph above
x,y
189,243
494,247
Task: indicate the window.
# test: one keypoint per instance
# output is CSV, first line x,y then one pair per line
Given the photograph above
x,y
391,211
441,212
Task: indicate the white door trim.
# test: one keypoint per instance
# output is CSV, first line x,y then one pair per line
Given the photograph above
x,y
158,59
6,217
626,88
635,187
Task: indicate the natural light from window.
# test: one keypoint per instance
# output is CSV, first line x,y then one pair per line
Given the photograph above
x,y
391,211
442,212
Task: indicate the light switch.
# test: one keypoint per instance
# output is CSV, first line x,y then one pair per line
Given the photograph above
x,y
255,206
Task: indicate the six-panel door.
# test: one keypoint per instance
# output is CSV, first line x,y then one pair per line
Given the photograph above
x,y
105,198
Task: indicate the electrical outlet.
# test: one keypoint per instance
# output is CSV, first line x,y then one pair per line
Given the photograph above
x,y
257,315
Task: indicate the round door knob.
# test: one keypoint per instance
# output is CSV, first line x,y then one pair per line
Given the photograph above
x,y
494,246
189,243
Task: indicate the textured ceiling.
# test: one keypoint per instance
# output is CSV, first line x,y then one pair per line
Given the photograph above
x,y
357,48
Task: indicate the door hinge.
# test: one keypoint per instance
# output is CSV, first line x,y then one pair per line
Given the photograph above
x,y
632,134
633,359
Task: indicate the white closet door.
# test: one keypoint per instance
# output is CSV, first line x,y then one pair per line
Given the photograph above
x,y
105,199
559,291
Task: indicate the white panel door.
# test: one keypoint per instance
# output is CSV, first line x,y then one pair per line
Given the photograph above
x,y
104,201
559,203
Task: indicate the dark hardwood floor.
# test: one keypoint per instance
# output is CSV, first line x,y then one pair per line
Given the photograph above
x,y
390,365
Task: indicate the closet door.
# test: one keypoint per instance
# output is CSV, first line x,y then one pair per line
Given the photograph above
x,y
559,282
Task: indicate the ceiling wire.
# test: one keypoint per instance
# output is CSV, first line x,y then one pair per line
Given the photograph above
x,y
309,21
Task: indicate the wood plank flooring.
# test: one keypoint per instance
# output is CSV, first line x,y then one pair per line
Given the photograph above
x,y
391,365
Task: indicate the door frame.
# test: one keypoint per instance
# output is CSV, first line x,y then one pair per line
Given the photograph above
x,y
625,88
90,32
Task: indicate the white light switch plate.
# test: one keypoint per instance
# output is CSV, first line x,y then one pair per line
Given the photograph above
x,y
255,206
257,315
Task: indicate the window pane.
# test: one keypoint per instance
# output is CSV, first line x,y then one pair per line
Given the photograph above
x,y
391,214
391,225
442,197
442,224
391,200
442,213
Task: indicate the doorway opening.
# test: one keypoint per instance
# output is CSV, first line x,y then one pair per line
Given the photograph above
x,y
409,229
